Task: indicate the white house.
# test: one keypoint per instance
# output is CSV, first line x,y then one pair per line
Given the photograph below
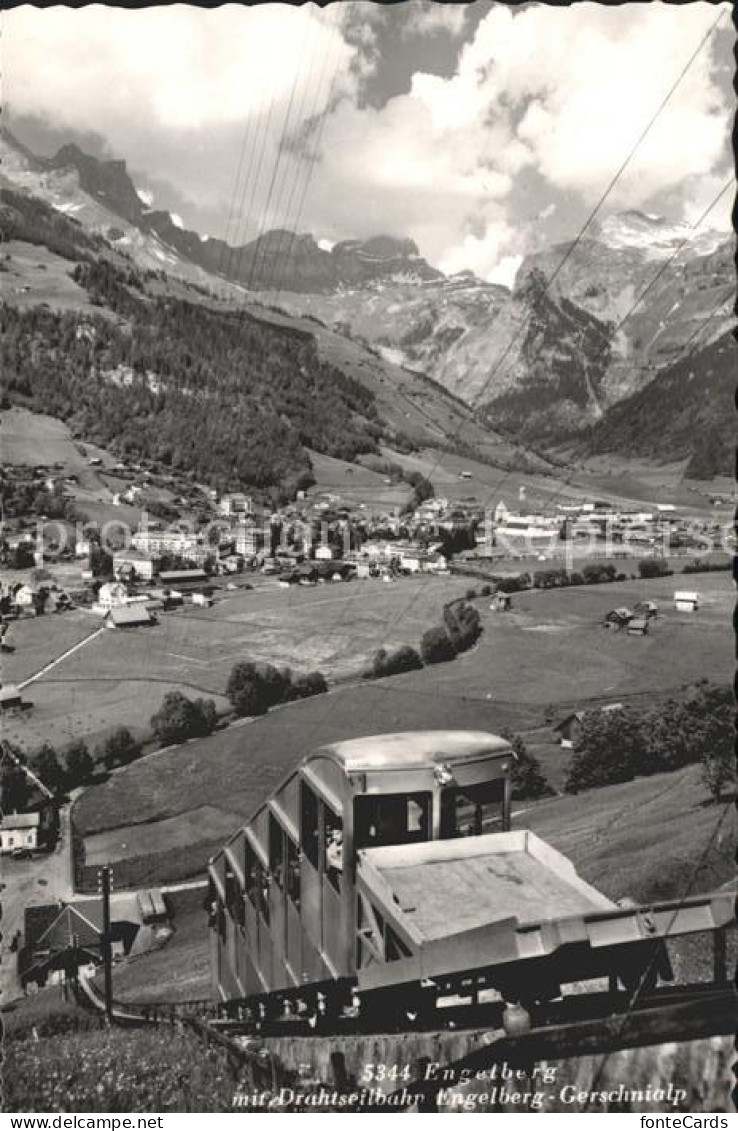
x,y
324,553
686,601
19,830
111,595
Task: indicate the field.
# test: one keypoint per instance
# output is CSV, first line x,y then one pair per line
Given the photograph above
x,y
522,663
47,277
116,1070
121,677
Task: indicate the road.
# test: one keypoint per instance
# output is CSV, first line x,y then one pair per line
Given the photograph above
x,y
42,879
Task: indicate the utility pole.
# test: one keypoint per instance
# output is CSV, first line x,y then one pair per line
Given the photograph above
x,y
104,887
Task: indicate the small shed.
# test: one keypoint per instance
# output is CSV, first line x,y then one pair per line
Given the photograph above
x,y
686,601
10,698
501,603
638,626
618,618
647,609
129,616
569,727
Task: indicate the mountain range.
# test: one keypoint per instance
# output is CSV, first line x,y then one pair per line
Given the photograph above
x,y
543,362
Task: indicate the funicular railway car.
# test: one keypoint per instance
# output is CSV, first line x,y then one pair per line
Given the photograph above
x,y
383,872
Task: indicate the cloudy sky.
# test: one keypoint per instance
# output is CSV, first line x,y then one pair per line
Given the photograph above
x,y
480,130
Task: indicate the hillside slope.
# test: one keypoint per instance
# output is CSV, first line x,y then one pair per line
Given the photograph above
x,y
686,412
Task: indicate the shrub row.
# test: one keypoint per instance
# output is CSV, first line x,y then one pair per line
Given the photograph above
x,y
617,746
255,687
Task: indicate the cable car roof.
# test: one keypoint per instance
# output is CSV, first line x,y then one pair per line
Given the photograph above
x,y
413,748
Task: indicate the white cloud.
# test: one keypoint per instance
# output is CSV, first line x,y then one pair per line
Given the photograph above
x,y
427,17
551,96
177,67
505,271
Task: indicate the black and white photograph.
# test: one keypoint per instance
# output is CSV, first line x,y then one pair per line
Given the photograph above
x,y
368,447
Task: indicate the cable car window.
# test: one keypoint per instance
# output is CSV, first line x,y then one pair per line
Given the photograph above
x,y
276,851
234,897
310,824
392,818
293,872
251,876
333,831
472,810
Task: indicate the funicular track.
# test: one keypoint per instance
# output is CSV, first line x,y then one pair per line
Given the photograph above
x,y
579,1025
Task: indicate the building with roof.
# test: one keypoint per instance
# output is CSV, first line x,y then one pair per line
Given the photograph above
x,y
686,601
111,595
129,616
19,831
182,576
135,564
570,727
10,698
63,937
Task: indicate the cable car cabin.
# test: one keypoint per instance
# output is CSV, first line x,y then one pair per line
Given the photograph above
x,y
386,866
284,905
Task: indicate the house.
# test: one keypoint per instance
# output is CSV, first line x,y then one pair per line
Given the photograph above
x,y
111,595
10,698
568,729
686,602
129,616
325,553
19,830
618,618
180,543
646,609
25,598
501,603
236,503
204,600
64,937
249,540
134,563
638,626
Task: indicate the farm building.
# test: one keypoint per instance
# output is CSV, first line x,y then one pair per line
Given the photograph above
x,y
19,830
646,609
569,728
618,618
204,600
10,698
129,616
686,602
501,603
182,576
638,626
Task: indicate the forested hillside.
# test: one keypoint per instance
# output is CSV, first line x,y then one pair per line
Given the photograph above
x,y
229,398
684,412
